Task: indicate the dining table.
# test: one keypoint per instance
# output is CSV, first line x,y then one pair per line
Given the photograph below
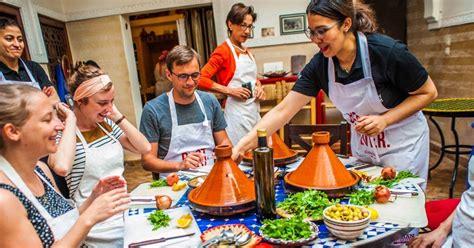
x,y
398,220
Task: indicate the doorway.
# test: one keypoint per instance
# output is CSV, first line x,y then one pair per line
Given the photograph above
x,y
155,34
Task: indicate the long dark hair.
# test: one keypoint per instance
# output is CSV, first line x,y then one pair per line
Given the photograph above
x,y
237,14
362,15
6,22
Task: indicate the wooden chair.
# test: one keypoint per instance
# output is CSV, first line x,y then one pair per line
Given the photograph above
x,y
296,134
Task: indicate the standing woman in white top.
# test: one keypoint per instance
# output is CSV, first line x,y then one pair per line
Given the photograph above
x,y
32,211
96,149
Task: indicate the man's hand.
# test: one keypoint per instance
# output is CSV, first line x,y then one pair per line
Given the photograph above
x,y
192,161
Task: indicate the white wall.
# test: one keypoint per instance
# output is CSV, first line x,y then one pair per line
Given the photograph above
x,y
447,13
268,12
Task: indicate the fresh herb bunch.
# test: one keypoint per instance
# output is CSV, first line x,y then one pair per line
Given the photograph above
x,y
310,203
390,183
286,229
158,183
159,219
362,197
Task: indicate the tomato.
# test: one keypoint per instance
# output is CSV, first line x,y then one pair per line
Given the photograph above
x,y
382,194
388,173
172,179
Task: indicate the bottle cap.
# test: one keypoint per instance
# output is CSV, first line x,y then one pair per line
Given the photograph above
x,y
261,132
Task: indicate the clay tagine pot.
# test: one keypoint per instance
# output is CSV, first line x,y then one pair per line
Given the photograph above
x,y
226,190
322,170
282,155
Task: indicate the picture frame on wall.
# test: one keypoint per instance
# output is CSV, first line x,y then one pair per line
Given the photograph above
x,y
292,24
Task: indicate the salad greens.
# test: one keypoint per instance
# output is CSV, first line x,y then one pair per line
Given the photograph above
x,y
390,183
362,197
159,219
158,183
307,204
286,229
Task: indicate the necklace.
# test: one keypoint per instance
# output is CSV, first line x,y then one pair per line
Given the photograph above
x,y
346,69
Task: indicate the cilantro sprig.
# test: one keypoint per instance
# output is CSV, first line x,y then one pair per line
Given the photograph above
x,y
362,197
286,229
310,203
159,219
390,183
158,183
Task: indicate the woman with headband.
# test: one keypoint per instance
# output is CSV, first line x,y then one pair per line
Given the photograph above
x,y
32,211
102,133
377,84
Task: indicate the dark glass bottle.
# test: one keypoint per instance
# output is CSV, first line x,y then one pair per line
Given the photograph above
x,y
263,178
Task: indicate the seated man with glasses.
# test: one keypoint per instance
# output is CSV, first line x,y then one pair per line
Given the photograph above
x,y
183,125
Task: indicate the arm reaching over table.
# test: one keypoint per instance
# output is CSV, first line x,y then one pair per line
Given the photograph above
x,y
272,121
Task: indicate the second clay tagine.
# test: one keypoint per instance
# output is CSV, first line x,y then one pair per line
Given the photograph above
x,y
322,170
282,155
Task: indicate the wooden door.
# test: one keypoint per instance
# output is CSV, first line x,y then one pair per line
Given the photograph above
x,y
56,42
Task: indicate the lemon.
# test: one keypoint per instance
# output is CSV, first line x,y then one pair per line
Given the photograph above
x,y
178,186
373,213
184,221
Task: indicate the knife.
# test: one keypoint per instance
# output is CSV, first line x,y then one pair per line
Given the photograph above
x,y
387,240
155,241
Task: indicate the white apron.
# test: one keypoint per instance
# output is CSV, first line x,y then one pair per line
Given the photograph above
x,y
241,116
193,137
60,225
32,83
101,162
404,145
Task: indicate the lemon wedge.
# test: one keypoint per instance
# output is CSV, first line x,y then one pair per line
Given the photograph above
x,y
184,221
178,186
373,213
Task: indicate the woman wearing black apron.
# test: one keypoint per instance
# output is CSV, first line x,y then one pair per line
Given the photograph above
x,y
377,84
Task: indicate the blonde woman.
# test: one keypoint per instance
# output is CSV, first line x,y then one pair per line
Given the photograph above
x,y
32,211
96,148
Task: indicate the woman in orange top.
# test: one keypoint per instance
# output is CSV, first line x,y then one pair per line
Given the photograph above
x,y
236,72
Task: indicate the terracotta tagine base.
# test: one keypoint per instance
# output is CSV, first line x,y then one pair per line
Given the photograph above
x,y
321,170
226,190
282,155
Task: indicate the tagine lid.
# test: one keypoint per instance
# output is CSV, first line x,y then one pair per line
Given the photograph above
x,y
321,168
281,152
226,185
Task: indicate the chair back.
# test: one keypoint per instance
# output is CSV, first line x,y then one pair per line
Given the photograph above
x,y
297,134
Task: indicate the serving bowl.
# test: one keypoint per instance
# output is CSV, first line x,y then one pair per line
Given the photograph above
x,y
346,230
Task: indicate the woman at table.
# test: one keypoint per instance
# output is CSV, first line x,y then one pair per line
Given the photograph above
x,y
377,84
233,65
32,211
12,68
95,150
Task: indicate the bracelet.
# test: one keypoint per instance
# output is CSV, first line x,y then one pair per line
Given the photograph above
x,y
120,120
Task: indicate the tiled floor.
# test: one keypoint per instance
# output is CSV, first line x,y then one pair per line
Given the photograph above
x,y
438,184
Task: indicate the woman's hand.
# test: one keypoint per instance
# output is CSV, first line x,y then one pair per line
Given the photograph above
x,y
107,184
371,125
115,115
240,93
65,114
433,239
108,204
259,92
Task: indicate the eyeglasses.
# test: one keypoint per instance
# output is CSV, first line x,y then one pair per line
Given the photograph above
x,y
245,27
183,77
319,32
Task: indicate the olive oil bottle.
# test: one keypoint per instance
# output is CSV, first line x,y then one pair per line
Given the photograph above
x,y
263,178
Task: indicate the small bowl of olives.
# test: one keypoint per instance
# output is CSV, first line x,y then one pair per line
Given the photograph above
x,y
346,221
